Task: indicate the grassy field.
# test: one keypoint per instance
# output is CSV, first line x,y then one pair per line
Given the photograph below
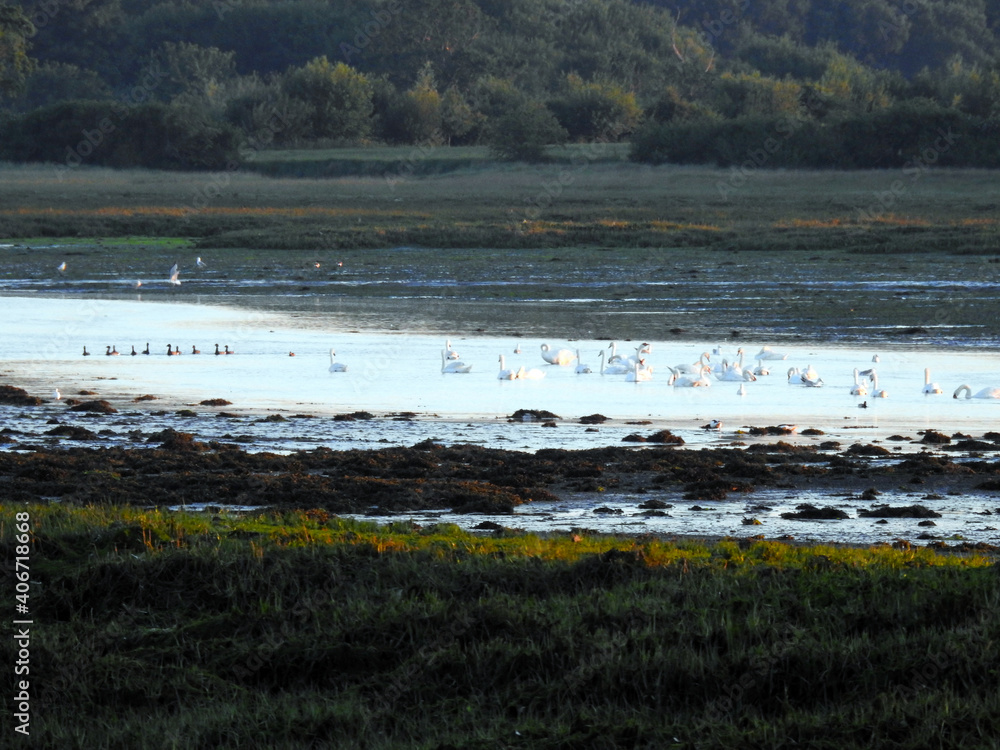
x,y
156,630
585,202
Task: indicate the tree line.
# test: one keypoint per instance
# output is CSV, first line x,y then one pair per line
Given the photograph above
x,y
682,80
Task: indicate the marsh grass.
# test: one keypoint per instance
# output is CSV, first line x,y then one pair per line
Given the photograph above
x,y
584,202
156,629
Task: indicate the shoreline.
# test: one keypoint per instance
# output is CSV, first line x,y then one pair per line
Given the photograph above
x,y
602,489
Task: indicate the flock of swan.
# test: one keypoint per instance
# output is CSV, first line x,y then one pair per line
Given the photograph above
x,y
701,373
636,368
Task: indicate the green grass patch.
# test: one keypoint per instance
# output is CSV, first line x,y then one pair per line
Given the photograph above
x,y
156,629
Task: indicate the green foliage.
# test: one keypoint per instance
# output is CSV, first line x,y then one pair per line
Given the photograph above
x,y
594,110
199,72
15,30
523,133
150,135
339,97
50,83
422,109
449,71
757,96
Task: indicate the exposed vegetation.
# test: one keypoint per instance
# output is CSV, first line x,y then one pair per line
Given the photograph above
x,y
586,200
157,629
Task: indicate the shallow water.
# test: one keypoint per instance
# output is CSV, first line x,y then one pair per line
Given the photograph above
x,y
392,372
392,347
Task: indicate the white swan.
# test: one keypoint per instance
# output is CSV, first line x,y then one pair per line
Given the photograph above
x,y
615,357
810,377
581,369
517,349
452,365
57,395
505,373
742,390
984,393
858,389
734,373
761,369
930,387
794,376
174,273
334,365
687,380
559,357
876,391
640,373
695,367
613,368
767,352
449,352
532,374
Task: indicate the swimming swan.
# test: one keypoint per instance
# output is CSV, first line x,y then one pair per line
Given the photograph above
x,y
640,373
876,391
858,389
693,368
767,352
581,369
687,380
560,357
930,387
619,367
449,352
505,373
453,365
984,393
334,365
532,374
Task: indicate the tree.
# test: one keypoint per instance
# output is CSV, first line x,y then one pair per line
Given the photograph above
x,y
15,30
523,133
457,118
423,108
596,110
340,97
51,82
196,71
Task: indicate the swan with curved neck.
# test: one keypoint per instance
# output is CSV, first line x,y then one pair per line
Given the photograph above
x,y
335,366
581,368
688,380
449,365
449,352
929,387
984,393
558,357
694,368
